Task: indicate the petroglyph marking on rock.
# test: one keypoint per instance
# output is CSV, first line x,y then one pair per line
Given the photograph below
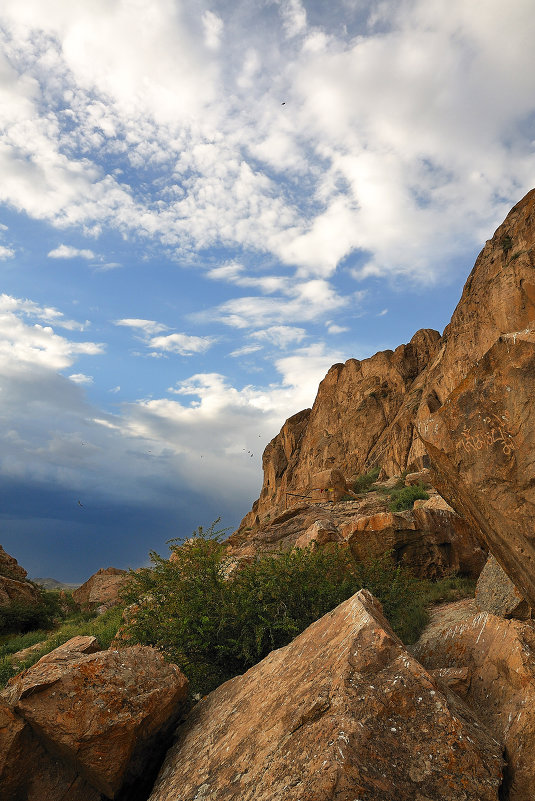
x,y
496,432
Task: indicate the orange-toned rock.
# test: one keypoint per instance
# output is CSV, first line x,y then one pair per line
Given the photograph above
x,y
28,772
481,444
432,542
366,412
500,656
101,714
10,568
102,589
14,588
343,712
496,593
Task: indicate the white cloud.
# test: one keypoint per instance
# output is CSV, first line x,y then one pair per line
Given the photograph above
x,y
373,150
81,378
181,343
6,253
213,30
294,17
68,252
246,350
333,328
146,327
280,335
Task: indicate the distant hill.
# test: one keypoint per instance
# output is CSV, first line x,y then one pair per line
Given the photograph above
x,y
53,584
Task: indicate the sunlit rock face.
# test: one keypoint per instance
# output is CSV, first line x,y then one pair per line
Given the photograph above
x,y
343,712
366,412
498,659
481,443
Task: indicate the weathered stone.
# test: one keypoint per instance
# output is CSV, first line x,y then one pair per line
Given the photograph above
x,y
496,593
72,649
432,542
14,588
10,568
13,591
102,589
343,712
28,772
500,656
319,533
103,714
481,445
366,412
420,477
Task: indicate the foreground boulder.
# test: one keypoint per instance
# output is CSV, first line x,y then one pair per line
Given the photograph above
x,y
98,718
101,589
481,444
343,712
499,656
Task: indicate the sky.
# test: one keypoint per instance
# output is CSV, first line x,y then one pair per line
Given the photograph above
x,y
203,206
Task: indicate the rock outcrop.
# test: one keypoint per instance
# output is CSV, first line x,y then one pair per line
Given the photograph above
x,y
499,656
366,413
343,712
433,540
90,720
101,589
14,587
481,443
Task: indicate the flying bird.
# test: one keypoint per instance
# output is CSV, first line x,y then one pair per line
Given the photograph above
x,y
81,504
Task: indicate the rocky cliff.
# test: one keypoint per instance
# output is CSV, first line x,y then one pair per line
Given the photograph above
x,y
366,412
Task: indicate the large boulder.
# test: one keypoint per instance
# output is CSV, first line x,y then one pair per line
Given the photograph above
x,y
500,657
432,542
481,444
496,593
101,589
343,712
104,717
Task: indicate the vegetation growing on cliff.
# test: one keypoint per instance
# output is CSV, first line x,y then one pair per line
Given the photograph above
x,y
215,625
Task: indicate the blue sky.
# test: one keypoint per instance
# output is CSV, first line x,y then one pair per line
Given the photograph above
x,y
205,205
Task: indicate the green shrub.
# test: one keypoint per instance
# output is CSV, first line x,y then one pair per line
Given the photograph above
x,y
215,626
404,498
364,482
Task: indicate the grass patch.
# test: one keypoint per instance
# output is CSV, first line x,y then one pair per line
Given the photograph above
x,y
104,627
364,482
404,498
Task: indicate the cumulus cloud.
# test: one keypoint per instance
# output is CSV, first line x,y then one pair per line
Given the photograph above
x,y
181,343
68,252
81,378
405,132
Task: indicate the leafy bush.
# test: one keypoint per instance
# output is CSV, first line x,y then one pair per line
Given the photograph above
x,y
49,609
364,482
215,626
404,498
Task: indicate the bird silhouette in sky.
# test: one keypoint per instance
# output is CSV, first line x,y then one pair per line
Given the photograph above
x,y
81,504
